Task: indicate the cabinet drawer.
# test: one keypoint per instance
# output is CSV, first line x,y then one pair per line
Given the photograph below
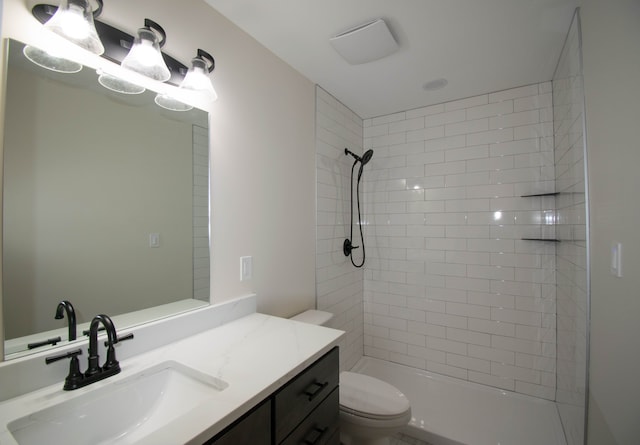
x,y
301,395
253,428
321,426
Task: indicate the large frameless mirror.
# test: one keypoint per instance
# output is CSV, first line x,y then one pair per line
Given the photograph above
x,y
105,205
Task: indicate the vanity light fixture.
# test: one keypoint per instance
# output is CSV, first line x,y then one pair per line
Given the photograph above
x,y
145,57
139,56
118,44
73,21
196,80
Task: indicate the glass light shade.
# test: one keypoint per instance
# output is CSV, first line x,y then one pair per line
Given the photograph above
x,y
145,57
197,79
118,84
74,21
171,103
49,61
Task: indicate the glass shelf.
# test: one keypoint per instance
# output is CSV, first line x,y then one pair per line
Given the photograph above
x,y
540,194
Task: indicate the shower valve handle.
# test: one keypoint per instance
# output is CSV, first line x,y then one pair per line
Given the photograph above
x,y
347,247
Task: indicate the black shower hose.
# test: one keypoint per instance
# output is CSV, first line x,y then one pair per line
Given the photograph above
x,y
364,255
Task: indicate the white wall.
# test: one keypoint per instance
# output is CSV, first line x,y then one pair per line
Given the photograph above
x,y
611,38
339,284
262,141
450,286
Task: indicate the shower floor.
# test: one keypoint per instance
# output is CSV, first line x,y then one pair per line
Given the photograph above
x,y
449,411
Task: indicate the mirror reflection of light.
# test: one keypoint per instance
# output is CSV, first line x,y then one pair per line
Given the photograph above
x,y
497,216
550,218
416,187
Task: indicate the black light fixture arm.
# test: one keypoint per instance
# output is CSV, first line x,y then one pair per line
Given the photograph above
x,y
98,10
44,12
208,58
153,26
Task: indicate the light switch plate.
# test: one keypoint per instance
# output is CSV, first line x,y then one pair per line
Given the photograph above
x,y
154,240
616,259
246,268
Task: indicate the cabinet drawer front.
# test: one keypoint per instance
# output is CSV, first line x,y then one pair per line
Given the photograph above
x,y
253,428
321,426
306,391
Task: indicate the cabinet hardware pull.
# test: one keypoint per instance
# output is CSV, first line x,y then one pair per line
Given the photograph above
x,y
319,431
313,393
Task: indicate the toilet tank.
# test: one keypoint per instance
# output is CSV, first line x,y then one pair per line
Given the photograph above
x,y
313,316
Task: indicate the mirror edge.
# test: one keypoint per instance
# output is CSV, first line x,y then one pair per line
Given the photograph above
x,y
4,45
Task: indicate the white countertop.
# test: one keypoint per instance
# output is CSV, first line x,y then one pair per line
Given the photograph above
x,y
255,355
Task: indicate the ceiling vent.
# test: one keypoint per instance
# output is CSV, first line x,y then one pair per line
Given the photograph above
x,y
365,43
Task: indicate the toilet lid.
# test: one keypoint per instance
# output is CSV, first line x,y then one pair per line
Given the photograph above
x,y
370,396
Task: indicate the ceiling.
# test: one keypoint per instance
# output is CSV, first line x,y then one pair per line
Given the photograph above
x,y
479,46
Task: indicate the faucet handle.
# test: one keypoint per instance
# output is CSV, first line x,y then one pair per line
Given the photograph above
x,y
50,341
73,379
71,354
112,363
121,338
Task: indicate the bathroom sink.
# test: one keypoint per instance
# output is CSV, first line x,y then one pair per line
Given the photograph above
x,y
121,412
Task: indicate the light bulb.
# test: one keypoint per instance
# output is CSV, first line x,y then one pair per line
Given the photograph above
x,y
145,57
197,78
74,21
74,24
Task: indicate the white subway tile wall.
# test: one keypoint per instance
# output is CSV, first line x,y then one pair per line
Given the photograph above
x,y
572,302
449,285
201,262
339,285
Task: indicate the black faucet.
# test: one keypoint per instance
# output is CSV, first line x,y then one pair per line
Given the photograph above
x,y
111,365
66,306
94,372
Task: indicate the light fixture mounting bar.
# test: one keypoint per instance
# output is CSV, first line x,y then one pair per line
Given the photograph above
x,y
116,43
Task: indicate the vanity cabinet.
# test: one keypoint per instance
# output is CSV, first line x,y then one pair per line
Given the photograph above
x,y
304,411
321,427
253,428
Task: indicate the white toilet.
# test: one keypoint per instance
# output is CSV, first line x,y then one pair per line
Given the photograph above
x,y
370,410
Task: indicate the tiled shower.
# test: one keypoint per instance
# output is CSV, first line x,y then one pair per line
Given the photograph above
x,y
467,274
451,287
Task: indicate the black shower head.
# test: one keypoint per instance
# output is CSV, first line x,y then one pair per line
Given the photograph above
x,y
366,157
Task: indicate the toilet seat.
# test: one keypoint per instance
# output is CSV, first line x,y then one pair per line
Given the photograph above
x,y
371,398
